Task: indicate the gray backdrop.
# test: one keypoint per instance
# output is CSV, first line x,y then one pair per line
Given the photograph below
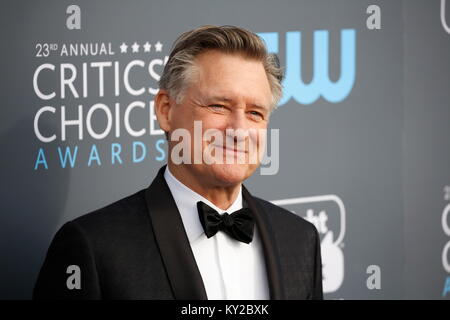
x,y
364,133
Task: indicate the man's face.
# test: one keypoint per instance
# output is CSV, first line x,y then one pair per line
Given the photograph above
x,y
228,91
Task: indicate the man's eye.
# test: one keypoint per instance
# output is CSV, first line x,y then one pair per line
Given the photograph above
x,y
256,115
217,107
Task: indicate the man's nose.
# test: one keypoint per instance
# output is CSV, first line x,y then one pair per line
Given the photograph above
x,y
238,125
238,120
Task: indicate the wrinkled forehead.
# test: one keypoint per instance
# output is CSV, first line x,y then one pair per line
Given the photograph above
x,y
230,78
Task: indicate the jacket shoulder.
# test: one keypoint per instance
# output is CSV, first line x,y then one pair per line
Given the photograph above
x,y
128,210
279,216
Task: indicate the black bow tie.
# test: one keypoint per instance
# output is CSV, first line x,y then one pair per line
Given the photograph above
x,y
238,225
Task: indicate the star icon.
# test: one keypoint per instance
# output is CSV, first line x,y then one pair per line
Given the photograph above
x,y
123,48
135,47
147,47
158,46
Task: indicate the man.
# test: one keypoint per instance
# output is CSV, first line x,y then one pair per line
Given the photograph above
x,y
196,232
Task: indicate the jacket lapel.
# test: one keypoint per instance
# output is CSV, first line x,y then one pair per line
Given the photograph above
x,y
181,267
176,253
270,249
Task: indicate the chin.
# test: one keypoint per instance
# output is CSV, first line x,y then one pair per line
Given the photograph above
x,y
232,174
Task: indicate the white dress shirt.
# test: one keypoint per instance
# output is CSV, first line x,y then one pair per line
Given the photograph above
x,y
230,269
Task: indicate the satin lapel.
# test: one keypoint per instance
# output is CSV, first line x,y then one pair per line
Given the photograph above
x,y
173,243
270,249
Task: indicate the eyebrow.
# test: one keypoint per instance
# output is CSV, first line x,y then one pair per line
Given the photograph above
x,y
220,98
261,107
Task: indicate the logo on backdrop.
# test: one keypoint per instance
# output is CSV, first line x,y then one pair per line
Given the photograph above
x,y
320,85
327,213
92,94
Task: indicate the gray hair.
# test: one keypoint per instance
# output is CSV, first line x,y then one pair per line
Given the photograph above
x,y
178,70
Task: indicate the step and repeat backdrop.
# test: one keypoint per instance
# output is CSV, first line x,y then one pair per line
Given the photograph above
x,y
364,149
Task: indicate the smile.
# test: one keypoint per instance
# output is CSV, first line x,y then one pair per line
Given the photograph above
x,y
226,149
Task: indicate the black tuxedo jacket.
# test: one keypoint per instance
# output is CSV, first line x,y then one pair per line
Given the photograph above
x,y
137,248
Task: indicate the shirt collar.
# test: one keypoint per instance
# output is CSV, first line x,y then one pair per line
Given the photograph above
x,y
186,201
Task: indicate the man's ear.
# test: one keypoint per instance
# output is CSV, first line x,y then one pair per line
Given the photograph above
x,y
162,109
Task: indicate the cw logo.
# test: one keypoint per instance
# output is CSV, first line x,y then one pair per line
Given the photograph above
x,y
320,85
